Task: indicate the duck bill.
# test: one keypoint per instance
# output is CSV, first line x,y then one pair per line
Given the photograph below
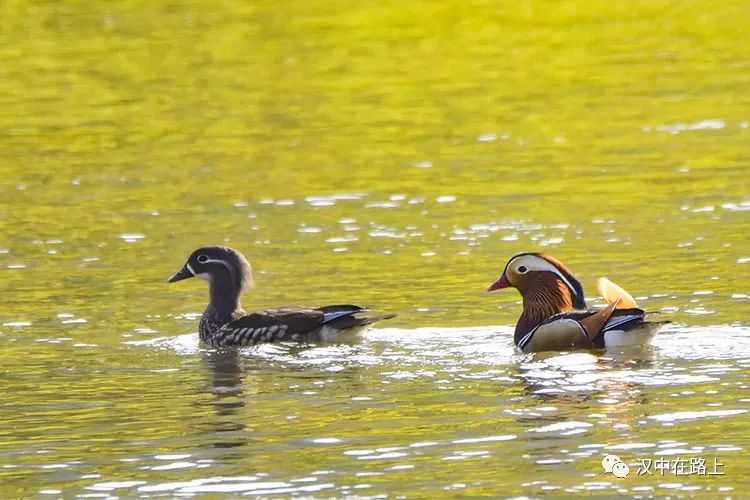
x,y
502,282
182,274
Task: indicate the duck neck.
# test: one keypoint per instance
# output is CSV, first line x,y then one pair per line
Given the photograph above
x,y
540,304
225,297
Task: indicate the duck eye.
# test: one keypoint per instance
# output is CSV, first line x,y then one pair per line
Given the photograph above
x,y
202,259
522,269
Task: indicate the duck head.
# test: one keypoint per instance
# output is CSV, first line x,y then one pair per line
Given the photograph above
x,y
546,285
227,271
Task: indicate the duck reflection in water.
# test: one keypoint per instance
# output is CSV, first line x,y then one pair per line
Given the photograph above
x,y
225,384
235,377
566,382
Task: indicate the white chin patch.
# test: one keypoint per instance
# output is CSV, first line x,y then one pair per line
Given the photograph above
x,y
204,276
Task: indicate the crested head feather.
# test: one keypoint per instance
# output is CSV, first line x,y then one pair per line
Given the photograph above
x,y
579,301
239,268
566,276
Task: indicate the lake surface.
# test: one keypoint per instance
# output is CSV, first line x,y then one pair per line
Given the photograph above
x,y
393,155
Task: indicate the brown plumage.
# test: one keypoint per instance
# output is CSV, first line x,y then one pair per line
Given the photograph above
x,y
555,315
595,323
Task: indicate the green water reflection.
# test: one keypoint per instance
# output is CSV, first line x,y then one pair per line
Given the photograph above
x,y
389,154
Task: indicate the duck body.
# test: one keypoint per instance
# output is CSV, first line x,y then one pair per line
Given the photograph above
x,y
225,324
566,331
555,316
290,323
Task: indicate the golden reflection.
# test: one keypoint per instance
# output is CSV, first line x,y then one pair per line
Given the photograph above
x,y
426,142
226,384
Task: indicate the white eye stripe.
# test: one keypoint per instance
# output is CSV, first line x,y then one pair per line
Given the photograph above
x,y
572,289
215,261
534,263
218,261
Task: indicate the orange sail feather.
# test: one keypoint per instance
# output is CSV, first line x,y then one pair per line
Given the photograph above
x,y
613,292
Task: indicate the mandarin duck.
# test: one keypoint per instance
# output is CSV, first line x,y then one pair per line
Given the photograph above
x,y
224,323
555,316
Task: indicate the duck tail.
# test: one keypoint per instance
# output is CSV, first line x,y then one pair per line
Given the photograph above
x,y
348,316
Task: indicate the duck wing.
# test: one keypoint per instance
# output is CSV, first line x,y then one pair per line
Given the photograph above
x,y
342,317
614,293
268,326
290,324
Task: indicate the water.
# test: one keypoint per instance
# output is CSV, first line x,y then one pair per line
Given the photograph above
x,y
388,155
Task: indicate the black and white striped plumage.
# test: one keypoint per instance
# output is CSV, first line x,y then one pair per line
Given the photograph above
x,y
224,323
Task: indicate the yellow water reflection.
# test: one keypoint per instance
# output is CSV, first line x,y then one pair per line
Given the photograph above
x,y
393,154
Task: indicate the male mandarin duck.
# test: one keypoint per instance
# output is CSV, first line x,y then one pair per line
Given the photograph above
x,y
225,324
555,315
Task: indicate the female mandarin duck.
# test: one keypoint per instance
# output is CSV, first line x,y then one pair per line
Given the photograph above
x,y
225,323
555,316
